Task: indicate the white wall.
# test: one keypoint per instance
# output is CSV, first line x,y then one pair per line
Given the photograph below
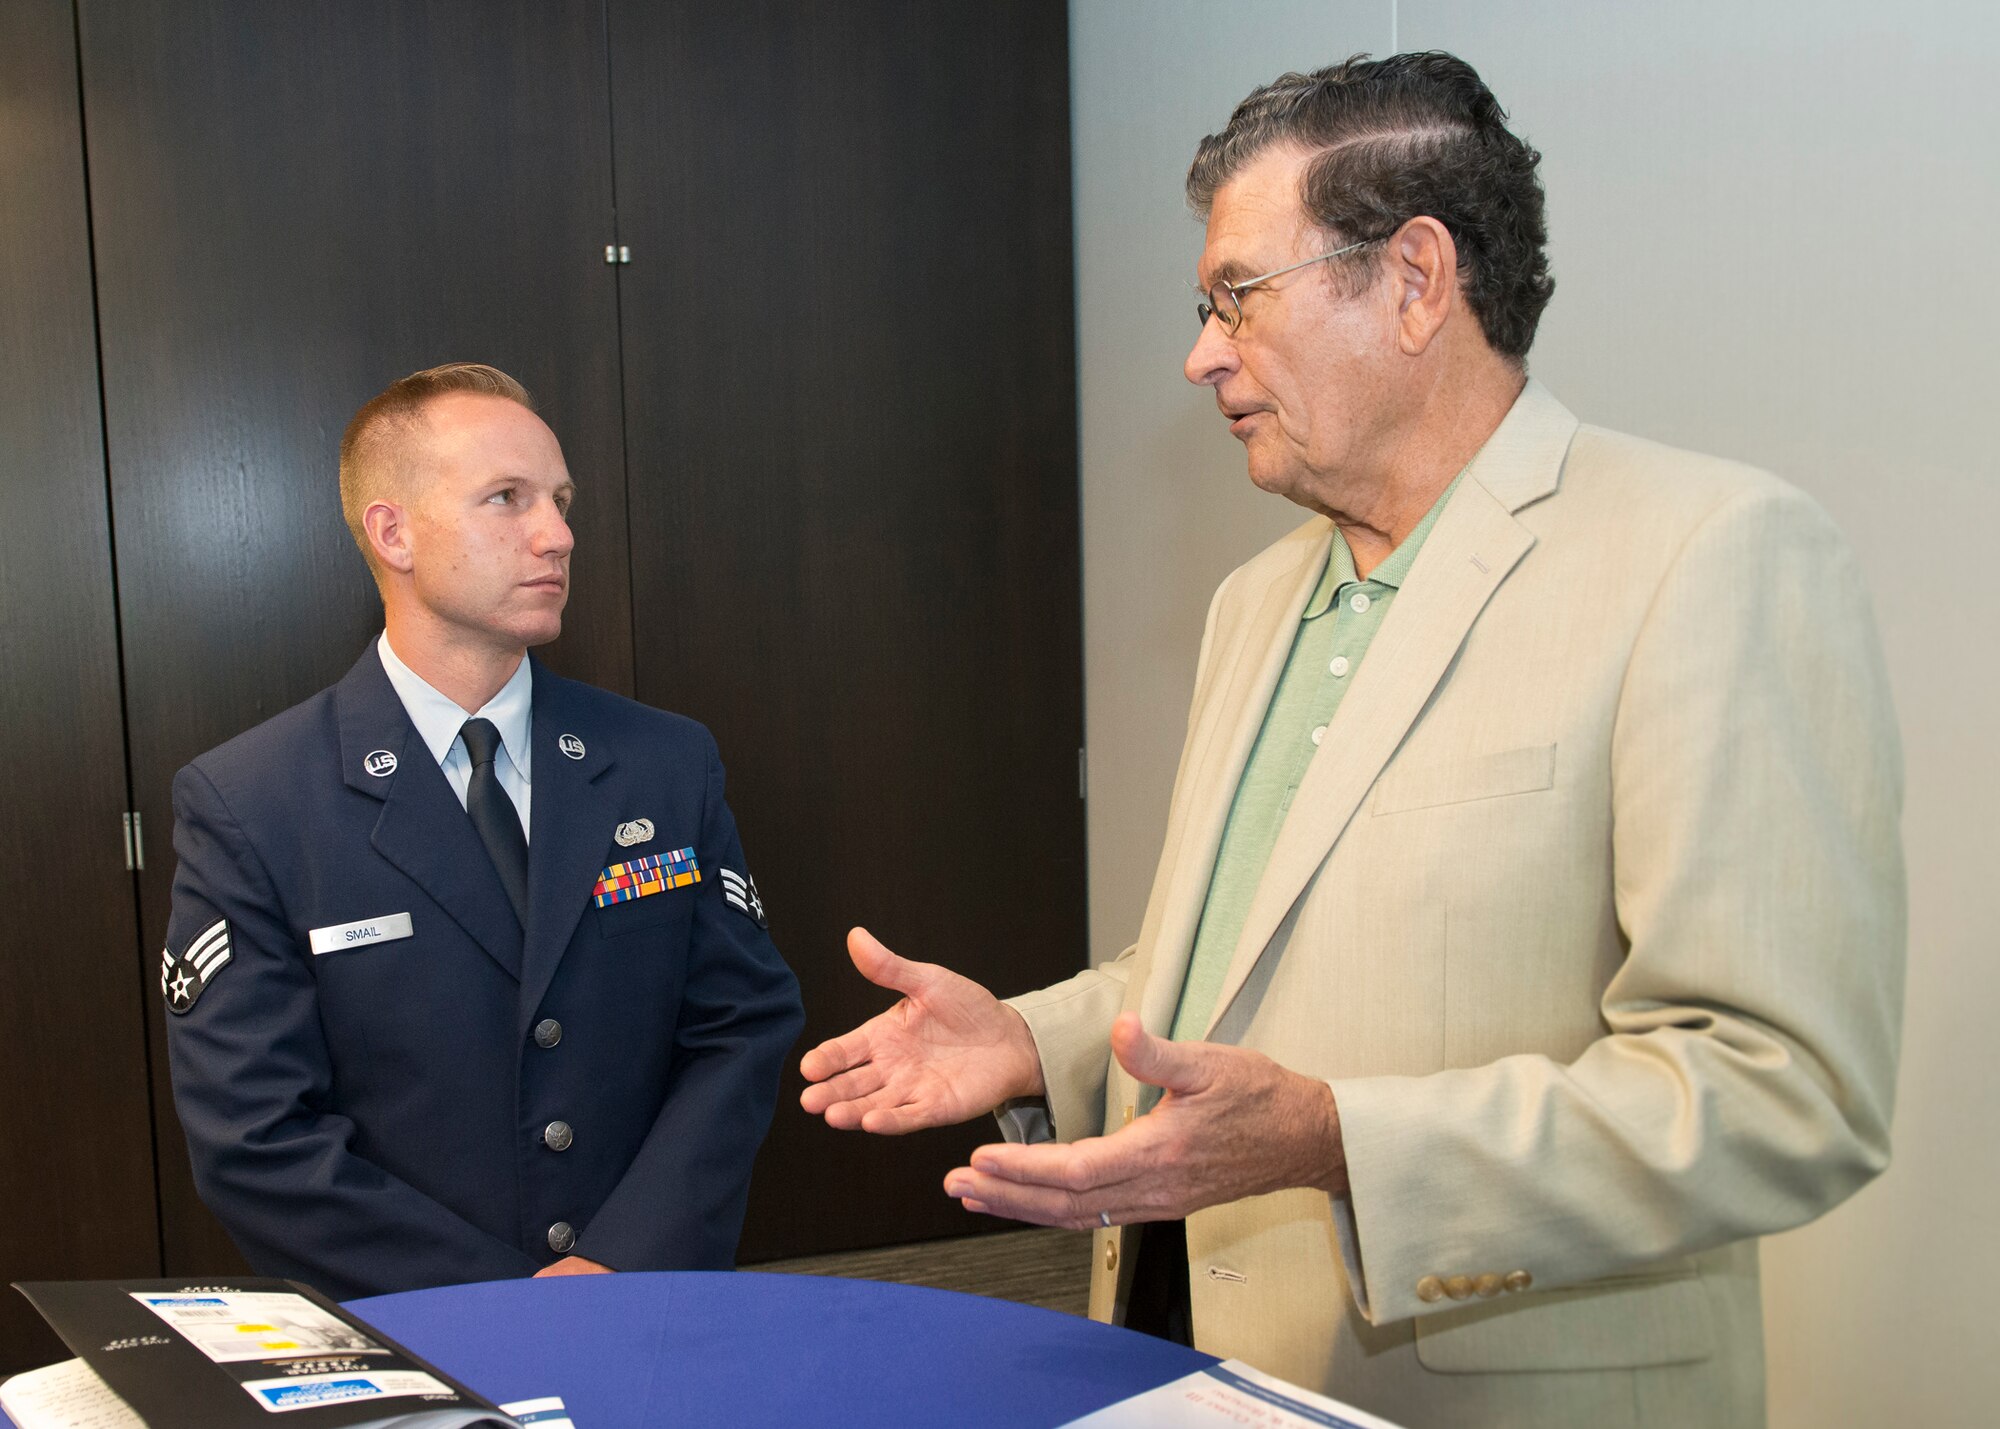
x,y
1773,232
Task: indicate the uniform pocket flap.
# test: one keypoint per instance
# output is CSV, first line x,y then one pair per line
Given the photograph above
x,y
1623,1324
1460,781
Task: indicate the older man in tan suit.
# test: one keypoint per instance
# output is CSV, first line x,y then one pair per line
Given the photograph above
x,y
1527,937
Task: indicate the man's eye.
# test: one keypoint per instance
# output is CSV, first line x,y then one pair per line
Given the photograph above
x,y
505,498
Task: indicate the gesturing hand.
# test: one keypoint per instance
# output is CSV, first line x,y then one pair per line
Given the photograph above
x,y
945,1053
1233,1123
573,1265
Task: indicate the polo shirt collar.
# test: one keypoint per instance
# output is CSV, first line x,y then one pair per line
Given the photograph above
x,y
1393,571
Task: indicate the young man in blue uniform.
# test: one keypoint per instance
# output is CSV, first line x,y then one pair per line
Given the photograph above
x,y
466,975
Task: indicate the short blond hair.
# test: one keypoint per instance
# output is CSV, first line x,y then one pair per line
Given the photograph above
x,y
374,449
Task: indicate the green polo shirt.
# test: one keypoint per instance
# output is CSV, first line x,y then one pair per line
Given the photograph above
x,y
1333,635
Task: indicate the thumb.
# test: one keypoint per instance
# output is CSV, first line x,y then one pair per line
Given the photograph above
x,y
882,967
1174,1066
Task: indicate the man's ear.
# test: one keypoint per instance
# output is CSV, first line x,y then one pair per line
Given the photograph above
x,y
388,528
1424,261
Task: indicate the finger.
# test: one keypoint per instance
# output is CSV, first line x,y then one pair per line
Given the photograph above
x,y
882,967
981,1208
1043,1205
1094,1164
1176,1066
854,1085
837,1054
900,1120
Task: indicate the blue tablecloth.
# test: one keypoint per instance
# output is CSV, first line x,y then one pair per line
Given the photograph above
x,y
753,1349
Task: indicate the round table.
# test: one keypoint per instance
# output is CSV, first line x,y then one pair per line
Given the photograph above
x,y
754,1349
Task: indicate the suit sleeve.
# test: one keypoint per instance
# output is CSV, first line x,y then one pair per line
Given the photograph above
x,y
680,1204
253,1086
1071,1025
1745,1080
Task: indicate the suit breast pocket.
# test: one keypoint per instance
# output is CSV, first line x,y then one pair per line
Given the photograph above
x,y
1528,770
654,913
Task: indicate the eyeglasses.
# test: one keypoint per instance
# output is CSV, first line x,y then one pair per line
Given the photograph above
x,y
1225,309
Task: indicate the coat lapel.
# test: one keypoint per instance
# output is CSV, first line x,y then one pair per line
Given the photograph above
x,y
1249,659
571,823
422,828
1473,547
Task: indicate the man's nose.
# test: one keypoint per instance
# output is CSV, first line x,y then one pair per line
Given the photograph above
x,y
1213,356
555,538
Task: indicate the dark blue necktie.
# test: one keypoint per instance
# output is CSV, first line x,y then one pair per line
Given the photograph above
x,y
494,815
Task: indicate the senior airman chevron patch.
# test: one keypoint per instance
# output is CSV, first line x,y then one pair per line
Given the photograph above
x,y
185,978
741,891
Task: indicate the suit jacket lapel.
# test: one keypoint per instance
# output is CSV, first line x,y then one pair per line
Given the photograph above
x,y
1473,547
572,819
1248,659
422,828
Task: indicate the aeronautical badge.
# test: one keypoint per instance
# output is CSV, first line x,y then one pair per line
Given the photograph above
x,y
637,831
183,978
741,891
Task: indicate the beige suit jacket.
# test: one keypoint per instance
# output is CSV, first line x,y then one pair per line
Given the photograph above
x,y
1589,908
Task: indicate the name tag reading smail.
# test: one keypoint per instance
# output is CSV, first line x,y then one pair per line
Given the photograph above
x,y
386,929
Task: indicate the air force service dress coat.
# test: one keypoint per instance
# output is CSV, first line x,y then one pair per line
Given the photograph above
x,y
386,1082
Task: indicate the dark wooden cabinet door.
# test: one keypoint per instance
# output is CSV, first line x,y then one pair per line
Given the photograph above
x,y
851,435
76,1155
294,205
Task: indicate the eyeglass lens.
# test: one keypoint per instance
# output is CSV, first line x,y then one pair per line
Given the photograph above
x,y
1221,306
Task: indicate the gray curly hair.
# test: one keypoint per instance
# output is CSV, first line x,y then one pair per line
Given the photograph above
x,y
1395,139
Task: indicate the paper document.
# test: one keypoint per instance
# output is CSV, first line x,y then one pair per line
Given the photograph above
x,y
1229,1393
65,1396
240,1353
70,1395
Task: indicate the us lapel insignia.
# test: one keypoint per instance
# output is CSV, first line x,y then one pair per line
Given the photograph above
x,y
572,746
643,877
638,831
184,978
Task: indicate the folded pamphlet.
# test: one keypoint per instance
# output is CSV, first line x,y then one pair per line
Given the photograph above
x,y
231,1353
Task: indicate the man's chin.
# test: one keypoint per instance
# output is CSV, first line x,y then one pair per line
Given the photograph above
x,y
1272,477
542,633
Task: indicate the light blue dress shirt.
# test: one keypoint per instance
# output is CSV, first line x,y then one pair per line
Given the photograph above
x,y
438,719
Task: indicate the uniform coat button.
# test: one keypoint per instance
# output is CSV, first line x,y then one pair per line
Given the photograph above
x,y
557,1136
548,1032
562,1235
1430,1290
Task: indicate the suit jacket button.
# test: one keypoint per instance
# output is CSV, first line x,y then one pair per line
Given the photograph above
x,y
1459,1287
1488,1285
562,1235
557,1136
1111,1254
1430,1290
548,1032
1518,1280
